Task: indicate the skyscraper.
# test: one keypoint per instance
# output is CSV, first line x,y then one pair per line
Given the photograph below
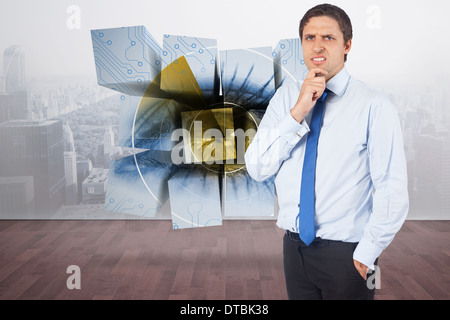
x,y
108,140
70,166
94,186
433,173
70,174
84,168
16,197
35,148
2,83
15,82
14,68
5,105
105,149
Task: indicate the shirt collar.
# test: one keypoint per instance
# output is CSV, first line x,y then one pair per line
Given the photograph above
x,y
338,84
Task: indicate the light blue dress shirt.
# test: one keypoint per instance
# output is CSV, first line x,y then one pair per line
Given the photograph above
x,y
361,180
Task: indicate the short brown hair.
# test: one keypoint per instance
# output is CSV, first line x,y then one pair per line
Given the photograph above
x,y
333,12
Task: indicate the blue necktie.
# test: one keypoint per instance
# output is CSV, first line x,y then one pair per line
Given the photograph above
x,y
306,225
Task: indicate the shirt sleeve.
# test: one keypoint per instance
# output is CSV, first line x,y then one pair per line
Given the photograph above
x,y
389,177
277,135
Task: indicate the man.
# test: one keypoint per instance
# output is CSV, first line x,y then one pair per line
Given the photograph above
x,y
335,148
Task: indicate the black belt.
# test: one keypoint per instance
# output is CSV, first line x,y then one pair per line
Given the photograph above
x,y
294,236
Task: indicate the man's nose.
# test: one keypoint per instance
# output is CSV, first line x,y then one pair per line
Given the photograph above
x,y
318,45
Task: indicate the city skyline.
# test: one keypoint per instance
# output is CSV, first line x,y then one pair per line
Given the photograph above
x,y
40,157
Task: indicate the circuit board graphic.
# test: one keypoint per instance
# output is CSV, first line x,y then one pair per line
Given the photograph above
x,y
191,110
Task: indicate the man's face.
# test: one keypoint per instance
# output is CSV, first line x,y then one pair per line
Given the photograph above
x,y
323,45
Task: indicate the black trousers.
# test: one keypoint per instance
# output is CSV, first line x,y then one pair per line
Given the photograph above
x,y
322,270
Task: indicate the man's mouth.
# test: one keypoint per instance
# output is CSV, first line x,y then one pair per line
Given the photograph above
x,y
318,60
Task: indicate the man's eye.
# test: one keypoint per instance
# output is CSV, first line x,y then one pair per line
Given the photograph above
x,y
309,37
328,38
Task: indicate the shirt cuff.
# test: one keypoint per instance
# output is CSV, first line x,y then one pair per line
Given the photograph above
x,y
292,131
367,252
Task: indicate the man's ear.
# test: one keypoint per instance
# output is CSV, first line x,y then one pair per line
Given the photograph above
x,y
348,46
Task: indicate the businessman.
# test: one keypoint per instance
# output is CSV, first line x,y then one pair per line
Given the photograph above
x,y
335,148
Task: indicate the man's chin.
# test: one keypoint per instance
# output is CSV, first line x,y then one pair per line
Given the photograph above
x,y
313,66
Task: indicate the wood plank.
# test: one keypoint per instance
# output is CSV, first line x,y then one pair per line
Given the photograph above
x,y
129,259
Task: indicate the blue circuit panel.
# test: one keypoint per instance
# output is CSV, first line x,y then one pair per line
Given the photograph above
x,y
148,123
201,56
137,184
127,113
195,198
288,62
155,121
245,197
127,59
248,77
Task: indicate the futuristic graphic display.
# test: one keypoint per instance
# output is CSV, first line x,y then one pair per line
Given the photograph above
x,y
288,62
195,198
192,111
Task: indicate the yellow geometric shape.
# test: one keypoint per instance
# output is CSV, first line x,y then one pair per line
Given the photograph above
x,y
173,91
178,80
210,135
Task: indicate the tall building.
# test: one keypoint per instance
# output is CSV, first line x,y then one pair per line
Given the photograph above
x,y
433,172
108,145
15,82
69,143
2,83
70,174
108,140
105,149
94,186
18,107
35,148
70,166
84,168
14,68
16,197
446,108
100,158
5,103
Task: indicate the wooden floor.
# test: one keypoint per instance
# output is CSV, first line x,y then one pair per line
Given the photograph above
x,y
239,260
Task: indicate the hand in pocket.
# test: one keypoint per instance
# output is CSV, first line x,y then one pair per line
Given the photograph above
x,y
362,268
